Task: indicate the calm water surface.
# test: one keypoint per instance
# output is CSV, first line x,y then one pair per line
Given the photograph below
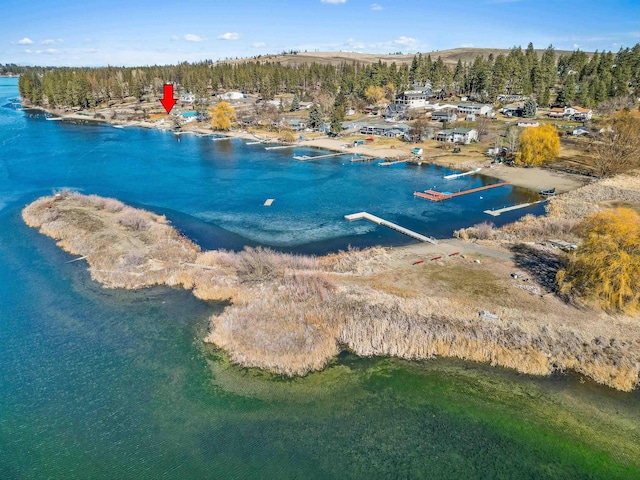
x,y
98,383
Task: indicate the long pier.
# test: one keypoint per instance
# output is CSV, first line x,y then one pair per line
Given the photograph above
x,y
439,196
499,211
391,225
306,158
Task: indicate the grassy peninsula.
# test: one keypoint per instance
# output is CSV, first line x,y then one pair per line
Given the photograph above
x,y
292,314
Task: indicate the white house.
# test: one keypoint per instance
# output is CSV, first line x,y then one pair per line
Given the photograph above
x,y
412,99
475,109
457,135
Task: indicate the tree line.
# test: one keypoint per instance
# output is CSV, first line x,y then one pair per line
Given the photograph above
x,y
585,79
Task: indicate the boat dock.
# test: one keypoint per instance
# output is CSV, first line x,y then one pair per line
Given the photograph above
x,y
361,158
268,202
458,175
394,162
391,225
439,196
279,147
499,211
217,139
306,158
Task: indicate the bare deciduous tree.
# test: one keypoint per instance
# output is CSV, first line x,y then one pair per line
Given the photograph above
x,y
617,148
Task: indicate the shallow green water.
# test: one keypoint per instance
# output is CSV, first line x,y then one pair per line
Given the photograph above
x,y
111,384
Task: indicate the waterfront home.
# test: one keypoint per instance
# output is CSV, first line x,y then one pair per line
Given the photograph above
x,y
392,131
444,116
457,135
295,124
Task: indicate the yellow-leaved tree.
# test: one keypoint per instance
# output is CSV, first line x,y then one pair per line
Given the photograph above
x,y
222,116
606,266
374,95
538,145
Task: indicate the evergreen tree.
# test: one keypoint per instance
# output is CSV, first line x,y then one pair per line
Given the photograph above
x,y
295,103
315,117
530,109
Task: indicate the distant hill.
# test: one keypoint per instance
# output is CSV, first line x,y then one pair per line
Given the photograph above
x,y
450,57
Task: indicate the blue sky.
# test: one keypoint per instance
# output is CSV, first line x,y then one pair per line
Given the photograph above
x,y
140,32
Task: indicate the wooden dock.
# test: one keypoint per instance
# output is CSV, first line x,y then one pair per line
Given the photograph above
x,y
268,202
306,158
439,196
499,211
391,225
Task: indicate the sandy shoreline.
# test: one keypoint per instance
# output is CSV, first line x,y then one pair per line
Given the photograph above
x,y
534,178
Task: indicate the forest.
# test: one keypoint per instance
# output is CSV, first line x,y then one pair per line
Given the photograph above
x,y
580,78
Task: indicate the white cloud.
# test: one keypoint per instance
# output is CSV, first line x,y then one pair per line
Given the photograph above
x,y
229,36
258,44
376,6
51,41
190,37
406,41
25,41
467,45
175,38
334,1
46,51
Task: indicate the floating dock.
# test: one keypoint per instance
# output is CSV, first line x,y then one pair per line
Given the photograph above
x,y
268,202
306,158
458,175
391,225
439,196
256,143
217,139
499,211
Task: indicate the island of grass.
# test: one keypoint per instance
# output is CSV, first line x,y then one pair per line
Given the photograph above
x,y
292,314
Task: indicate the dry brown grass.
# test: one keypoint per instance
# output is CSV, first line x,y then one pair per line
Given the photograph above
x,y
291,314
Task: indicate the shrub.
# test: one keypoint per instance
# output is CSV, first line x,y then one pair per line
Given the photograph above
x,y
133,221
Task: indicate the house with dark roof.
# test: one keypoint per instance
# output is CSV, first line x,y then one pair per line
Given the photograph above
x,y
444,116
396,111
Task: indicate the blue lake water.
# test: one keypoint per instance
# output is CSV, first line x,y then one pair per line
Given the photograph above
x,y
98,383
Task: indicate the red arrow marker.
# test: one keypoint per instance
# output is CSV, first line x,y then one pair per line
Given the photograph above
x,y
168,101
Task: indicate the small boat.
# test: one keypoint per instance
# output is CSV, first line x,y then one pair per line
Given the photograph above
x,y
548,193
